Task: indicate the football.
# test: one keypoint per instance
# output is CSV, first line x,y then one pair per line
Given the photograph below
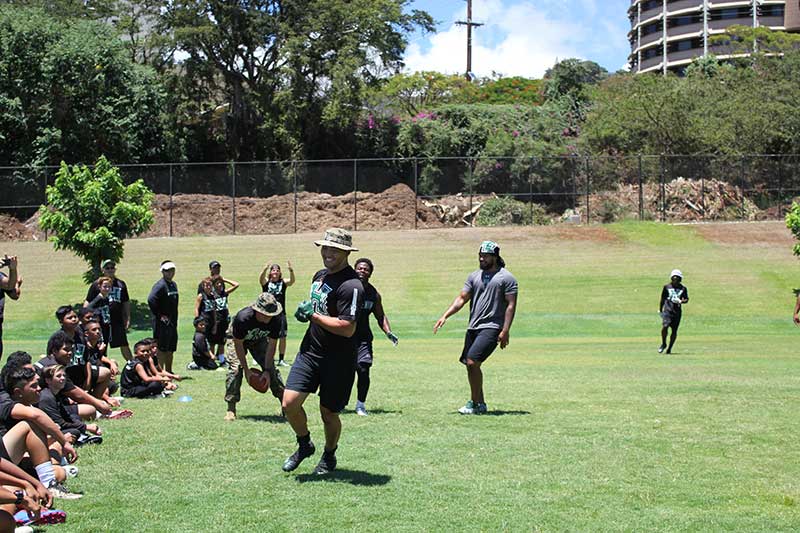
x,y
259,381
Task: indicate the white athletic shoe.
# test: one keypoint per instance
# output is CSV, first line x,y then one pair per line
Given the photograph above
x,y
361,409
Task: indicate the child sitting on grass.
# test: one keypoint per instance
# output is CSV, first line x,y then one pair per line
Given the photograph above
x,y
62,411
201,349
137,381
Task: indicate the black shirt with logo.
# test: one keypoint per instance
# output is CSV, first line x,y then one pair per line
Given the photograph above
x,y
371,299
116,297
671,297
246,327
278,290
102,308
339,295
163,300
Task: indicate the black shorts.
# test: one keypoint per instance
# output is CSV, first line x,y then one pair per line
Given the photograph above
x,y
119,337
333,375
76,374
284,325
4,451
669,320
166,335
479,344
364,354
216,335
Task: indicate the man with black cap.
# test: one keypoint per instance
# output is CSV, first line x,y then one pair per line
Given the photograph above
x,y
119,307
253,330
492,293
163,303
673,296
327,357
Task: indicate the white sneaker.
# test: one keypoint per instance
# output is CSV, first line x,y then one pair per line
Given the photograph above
x,y
23,529
165,393
71,470
61,492
361,409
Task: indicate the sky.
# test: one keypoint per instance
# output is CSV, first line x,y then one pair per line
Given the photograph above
x,y
521,37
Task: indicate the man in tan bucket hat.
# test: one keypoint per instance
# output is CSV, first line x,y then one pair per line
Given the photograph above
x,y
327,357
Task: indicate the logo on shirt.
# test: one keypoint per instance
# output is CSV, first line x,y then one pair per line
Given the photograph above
x,y
115,296
368,305
319,297
221,303
674,295
275,288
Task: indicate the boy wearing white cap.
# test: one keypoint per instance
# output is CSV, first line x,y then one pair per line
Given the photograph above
x,y
163,303
673,296
492,294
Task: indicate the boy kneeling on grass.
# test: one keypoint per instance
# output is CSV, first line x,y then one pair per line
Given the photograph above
x,y
201,349
138,381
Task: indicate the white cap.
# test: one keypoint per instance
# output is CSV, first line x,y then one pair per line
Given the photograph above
x,y
676,272
169,265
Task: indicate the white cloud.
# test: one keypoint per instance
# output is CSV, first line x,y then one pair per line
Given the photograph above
x,y
518,38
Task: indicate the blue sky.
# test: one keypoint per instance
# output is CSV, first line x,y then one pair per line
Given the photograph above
x,y
521,37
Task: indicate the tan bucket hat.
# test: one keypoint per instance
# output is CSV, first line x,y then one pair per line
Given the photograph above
x,y
337,238
266,304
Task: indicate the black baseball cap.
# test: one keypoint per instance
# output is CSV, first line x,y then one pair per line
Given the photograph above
x,y
213,264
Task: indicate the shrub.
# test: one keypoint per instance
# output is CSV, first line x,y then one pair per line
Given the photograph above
x,y
501,211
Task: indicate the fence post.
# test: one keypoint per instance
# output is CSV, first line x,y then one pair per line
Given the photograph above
x,y
469,167
780,186
355,194
44,193
530,189
294,187
641,194
232,173
741,179
416,191
170,199
703,194
586,171
662,201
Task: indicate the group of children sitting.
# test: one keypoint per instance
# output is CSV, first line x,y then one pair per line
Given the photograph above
x,y
50,406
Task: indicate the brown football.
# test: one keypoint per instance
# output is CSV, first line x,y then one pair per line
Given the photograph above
x,y
259,381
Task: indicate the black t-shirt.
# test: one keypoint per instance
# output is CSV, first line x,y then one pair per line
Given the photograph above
x,y
163,300
246,326
371,300
278,290
339,295
6,405
56,408
101,304
671,298
200,346
93,355
78,349
2,297
117,297
43,363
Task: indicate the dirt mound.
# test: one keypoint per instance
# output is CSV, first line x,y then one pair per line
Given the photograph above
x,y
12,229
204,214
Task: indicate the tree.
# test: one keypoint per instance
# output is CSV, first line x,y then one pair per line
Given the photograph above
x,y
91,212
290,71
793,223
69,92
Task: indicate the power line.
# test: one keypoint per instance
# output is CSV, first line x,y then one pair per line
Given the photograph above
x,y
469,24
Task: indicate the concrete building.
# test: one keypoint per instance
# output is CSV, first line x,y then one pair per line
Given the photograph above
x,y
666,35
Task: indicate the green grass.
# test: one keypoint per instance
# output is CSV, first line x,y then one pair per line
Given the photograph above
x,y
591,430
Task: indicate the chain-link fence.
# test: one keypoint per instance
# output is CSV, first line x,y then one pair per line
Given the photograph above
x,y
293,196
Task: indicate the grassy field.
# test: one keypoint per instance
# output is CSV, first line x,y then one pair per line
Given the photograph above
x,y
590,429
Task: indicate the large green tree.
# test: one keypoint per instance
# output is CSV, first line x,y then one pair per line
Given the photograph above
x,y
289,72
68,91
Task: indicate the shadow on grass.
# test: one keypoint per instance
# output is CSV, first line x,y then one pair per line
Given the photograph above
x,y
499,413
373,412
272,419
353,477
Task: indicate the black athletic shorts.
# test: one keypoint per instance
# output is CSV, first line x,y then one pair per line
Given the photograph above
x,y
76,374
364,354
284,325
479,344
333,375
166,335
3,451
669,320
119,337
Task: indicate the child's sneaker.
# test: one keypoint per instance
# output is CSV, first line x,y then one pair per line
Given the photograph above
x,y
192,366
166,393
468,409
481,409
71,470
361,409
47,516
63,493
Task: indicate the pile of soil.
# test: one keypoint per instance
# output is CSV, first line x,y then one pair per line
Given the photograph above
x,y
205,214
12,229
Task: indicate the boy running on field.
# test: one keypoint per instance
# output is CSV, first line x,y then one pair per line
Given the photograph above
x,y
673,296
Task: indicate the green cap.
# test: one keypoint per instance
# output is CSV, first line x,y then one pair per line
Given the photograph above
x,y
490,247
337,238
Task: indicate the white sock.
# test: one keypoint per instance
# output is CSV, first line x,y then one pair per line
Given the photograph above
x,y
45,473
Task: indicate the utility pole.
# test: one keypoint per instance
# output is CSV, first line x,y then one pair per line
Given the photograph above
x,y
469,24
